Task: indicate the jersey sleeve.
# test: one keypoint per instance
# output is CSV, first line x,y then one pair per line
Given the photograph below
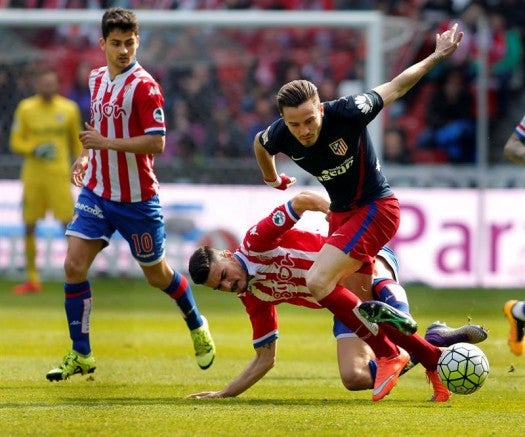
x,y
274,137
149,103
362,108
267,232
263,317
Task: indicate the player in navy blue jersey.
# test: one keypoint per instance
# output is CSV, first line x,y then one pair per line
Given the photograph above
x,y
330,141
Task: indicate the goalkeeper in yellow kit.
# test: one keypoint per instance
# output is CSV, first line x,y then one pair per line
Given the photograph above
x,y
45,131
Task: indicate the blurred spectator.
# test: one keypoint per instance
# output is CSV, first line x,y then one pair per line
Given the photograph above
x,y
264,113
395,149
506,60
197,66
328,89
224,136
450,119
79,91
355,4
467,19
183,136
504,51
11,95
198,87
436,11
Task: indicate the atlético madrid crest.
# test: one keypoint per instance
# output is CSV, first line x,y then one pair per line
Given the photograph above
x,y
339,147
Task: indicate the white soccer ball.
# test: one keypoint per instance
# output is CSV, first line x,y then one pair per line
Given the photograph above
x,y
463,368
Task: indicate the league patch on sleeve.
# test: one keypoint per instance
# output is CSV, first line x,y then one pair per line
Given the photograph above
x,y
363,103
158,115
278,218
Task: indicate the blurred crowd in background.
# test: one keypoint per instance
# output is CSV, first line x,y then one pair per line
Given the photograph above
x,y
220,84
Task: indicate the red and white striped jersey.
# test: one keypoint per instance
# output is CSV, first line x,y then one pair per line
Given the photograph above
x,y
277,258
128,106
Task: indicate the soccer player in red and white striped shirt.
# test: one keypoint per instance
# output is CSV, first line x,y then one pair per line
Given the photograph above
x,y
120,192
270,267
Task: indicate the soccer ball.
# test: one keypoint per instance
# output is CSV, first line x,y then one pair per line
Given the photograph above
x,y
463,368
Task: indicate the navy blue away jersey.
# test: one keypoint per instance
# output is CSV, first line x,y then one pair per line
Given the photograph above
x,y
343,159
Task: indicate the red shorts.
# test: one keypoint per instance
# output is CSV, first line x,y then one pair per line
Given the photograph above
x,y
363,231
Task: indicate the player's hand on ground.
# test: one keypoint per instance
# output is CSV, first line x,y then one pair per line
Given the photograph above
x,y
205,395
448,41
47,151
282,182
92,139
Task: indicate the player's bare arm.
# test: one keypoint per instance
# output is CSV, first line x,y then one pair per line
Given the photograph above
x,y
261,364
143,144
265,160
310,201
514,149
446,44
266,163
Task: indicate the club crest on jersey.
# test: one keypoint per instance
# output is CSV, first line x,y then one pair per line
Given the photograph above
x,y
363,103
158,115
278,218
339,147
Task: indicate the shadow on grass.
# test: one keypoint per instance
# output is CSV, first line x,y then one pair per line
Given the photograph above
x,y
232,402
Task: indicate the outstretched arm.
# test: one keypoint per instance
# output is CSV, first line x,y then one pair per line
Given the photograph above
x,y
446,44
310,201
262,363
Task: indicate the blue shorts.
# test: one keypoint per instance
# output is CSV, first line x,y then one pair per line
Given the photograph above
x,y
339,329
141,224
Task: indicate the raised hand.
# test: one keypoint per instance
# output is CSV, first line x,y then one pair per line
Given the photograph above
x,y
448,41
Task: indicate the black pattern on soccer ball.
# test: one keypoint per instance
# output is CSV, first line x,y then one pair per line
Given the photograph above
x,y
463,368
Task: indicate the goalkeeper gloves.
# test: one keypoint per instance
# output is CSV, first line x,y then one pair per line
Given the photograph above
x,y
282,182
47,151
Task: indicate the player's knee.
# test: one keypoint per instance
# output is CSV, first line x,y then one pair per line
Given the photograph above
x,y
317,285
74,271
357,380
158,275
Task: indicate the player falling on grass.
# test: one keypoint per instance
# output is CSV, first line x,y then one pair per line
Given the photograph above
x,y
515,309
270,267
45,131
120,192
330,141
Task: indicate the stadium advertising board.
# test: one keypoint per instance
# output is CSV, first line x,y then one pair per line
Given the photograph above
x,y
447,238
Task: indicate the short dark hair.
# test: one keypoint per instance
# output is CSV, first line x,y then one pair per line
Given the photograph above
x,y
295,93
200,264
119,18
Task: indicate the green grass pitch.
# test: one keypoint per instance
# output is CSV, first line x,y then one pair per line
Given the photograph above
x,y
146,368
